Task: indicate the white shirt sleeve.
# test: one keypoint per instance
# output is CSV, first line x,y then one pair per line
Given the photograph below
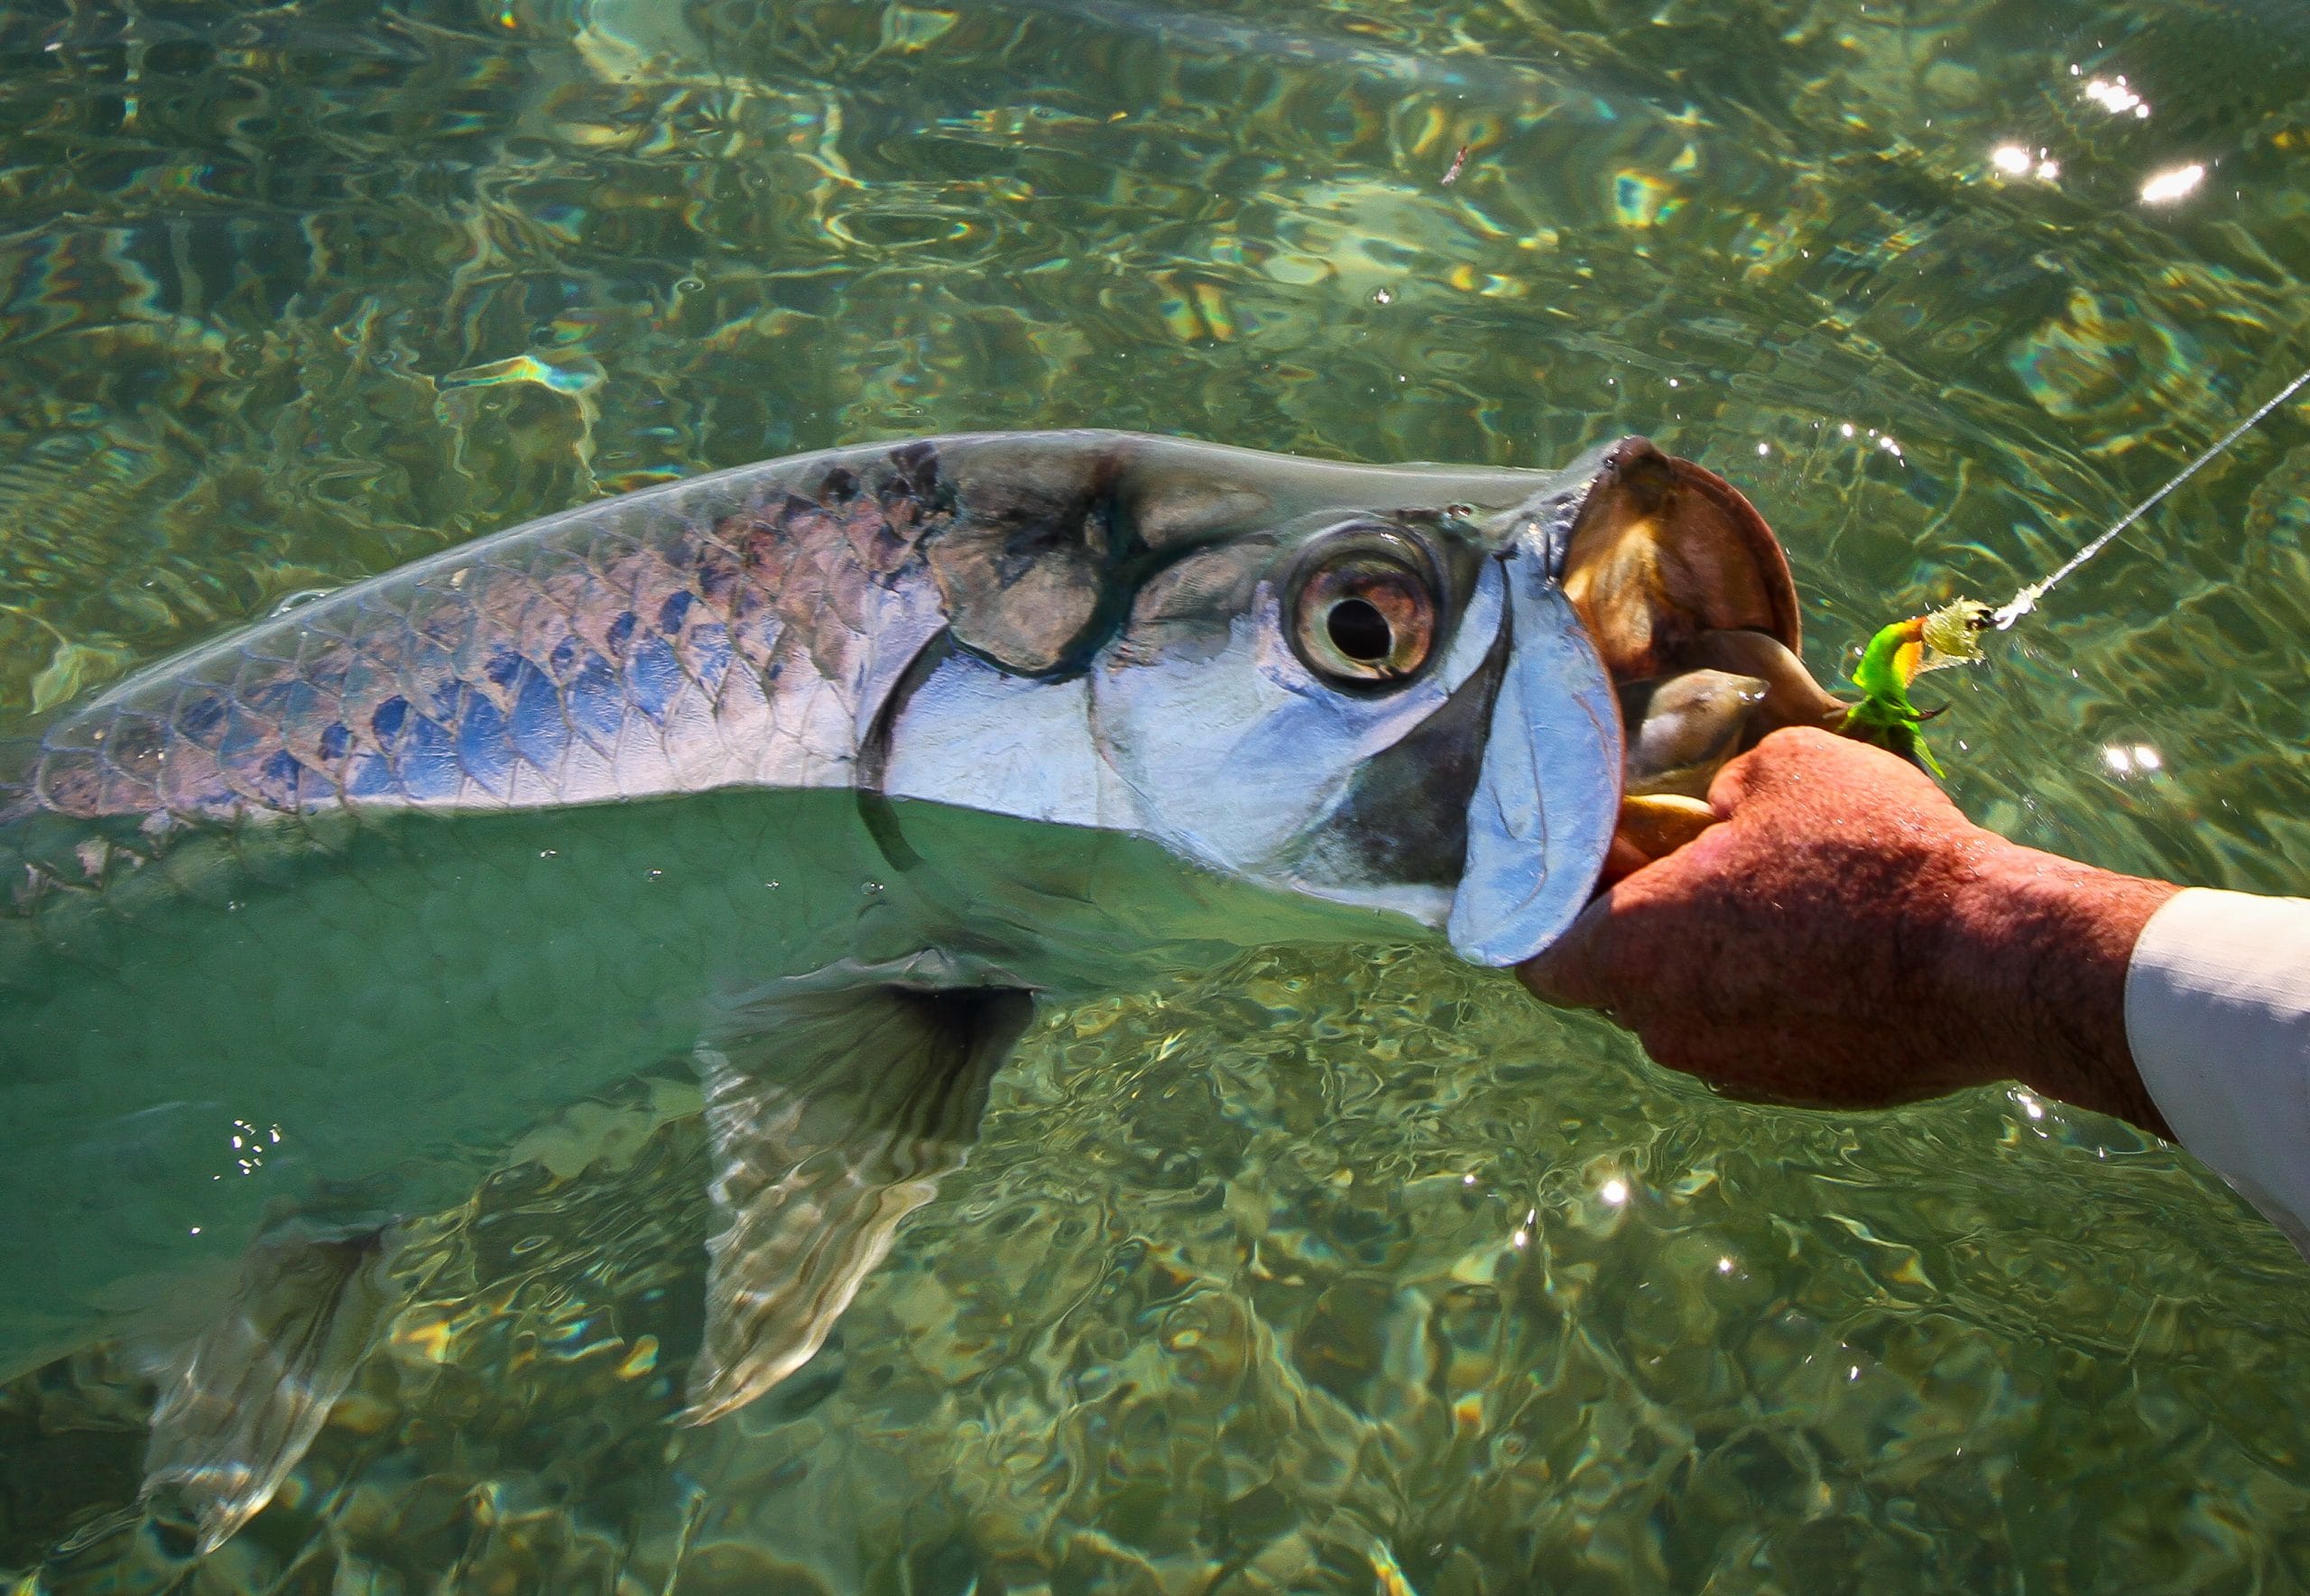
x,y
2218,1015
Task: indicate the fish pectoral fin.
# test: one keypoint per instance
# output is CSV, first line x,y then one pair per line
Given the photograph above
x,y
841,1099
240,1404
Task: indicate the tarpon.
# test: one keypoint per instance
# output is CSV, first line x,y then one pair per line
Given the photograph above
x,y
822,771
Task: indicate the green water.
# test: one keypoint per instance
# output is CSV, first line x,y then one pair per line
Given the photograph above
x,y
1313,1272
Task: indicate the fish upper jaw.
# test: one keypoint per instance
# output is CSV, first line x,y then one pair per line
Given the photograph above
x,y
1543,524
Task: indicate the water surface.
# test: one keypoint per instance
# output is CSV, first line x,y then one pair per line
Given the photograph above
x,y
1316,1271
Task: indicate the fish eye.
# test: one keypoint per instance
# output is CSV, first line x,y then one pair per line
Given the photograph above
x,y
1359,630
1364,611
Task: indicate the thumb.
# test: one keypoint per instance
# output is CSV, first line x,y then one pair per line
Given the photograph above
x,y
1782,758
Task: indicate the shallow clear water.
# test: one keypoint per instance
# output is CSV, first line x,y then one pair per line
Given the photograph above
x,y
1315,1272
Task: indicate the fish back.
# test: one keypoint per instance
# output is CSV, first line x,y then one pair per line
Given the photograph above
x,y
727,631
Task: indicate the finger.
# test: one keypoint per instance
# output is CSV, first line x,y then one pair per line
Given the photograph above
x,y
1656,826
1624,858
1571,972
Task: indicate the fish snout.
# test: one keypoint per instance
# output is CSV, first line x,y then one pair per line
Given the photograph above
x,y
1636,467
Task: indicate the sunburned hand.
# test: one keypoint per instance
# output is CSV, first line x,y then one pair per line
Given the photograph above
x,y
1846,937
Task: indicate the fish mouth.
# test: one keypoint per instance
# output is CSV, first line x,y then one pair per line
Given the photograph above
x,y
1633,569
1662,552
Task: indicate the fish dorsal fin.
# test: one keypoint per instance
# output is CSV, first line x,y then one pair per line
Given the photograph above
x,y
834,1102
242,1401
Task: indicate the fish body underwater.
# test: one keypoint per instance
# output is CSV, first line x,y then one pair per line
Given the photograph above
x,y
819,771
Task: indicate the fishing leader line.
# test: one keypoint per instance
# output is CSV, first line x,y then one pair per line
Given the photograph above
x,y
2023,602
1951,635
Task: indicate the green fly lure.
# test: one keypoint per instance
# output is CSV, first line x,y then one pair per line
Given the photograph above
x,y
1951,635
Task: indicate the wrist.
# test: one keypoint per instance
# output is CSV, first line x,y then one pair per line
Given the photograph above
x,y
2035,957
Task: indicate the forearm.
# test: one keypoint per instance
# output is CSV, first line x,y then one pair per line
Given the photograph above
x,y
2035,975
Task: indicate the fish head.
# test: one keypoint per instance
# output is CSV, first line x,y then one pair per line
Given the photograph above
x,y
1388,687
1374,707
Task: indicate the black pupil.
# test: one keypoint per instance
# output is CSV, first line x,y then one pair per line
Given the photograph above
x,y
1360,631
